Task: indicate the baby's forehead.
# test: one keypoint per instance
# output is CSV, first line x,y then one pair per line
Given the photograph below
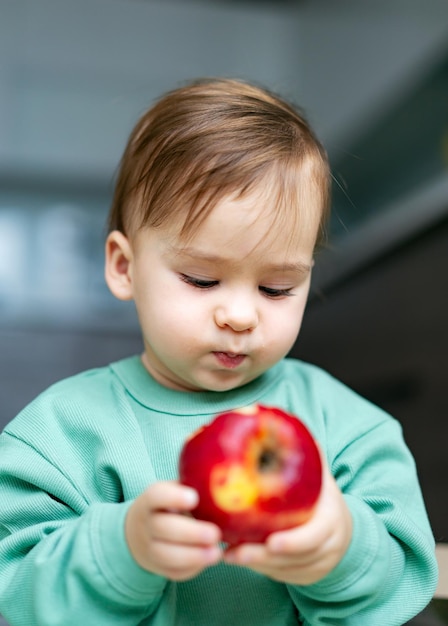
x,y
238,228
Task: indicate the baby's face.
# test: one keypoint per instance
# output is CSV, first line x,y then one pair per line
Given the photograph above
x,y
218,310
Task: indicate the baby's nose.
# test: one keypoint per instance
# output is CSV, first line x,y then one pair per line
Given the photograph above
x,y
240,314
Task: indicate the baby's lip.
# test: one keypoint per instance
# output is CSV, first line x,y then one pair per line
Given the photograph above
x,y
229,359
231,353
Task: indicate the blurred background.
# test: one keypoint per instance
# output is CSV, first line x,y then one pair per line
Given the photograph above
x,y
371,76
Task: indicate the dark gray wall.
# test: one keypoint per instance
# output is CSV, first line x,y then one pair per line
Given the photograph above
x,y
384,332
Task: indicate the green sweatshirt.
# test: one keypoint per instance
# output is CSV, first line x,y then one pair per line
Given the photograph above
x,y
74,459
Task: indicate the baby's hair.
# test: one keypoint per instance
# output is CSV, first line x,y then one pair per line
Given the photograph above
x,y
210,139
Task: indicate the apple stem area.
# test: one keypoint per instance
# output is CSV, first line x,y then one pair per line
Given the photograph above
x,y
268,461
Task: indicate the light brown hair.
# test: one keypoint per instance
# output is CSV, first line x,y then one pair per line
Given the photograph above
x,y
209,139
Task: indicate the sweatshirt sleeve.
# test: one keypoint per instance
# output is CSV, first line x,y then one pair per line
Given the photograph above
x,y
63,558
389,572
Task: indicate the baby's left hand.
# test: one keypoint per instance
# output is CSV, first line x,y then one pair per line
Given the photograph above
x,y
303,555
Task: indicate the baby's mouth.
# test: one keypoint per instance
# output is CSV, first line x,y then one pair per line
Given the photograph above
x,y
230,360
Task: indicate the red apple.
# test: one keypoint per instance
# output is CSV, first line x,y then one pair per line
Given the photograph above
x,y
257,470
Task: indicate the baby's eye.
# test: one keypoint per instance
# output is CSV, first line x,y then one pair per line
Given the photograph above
x,y
276,293
198,282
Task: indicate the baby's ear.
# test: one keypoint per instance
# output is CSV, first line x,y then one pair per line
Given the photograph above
x,y
118,265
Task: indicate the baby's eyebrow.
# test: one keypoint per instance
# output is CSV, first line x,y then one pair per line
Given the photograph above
x,y
193,253
299,267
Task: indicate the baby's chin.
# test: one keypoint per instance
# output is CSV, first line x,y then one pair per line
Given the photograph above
x,y
223,385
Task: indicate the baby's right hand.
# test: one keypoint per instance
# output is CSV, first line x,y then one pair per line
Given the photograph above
x,y
163,539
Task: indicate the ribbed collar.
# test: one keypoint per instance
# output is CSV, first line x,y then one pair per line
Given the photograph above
x,y
148,392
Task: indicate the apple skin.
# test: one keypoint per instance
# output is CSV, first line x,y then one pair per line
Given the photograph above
x,y
257,470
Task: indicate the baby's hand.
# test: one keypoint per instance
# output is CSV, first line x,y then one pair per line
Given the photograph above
x,y
163,539
303,555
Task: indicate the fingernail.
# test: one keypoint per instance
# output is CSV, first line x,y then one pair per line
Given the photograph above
x,y
209,535
276,545
191,497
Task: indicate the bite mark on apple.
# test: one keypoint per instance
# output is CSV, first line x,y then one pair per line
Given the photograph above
x,y
233,488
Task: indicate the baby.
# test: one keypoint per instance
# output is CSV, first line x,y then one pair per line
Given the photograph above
x,y
221,199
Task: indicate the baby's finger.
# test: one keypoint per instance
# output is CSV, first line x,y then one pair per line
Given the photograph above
x,y
181,529
246,554
172,496
301,540
289,569
180,562
261,555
